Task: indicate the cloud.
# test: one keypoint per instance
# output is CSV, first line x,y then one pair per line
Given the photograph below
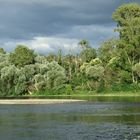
x,y
47,45
66,42
23,20
52,45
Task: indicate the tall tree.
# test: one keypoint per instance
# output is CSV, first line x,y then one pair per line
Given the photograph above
x,y
128,25
59,57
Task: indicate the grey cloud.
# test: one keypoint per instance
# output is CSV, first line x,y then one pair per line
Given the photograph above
x,y
25,19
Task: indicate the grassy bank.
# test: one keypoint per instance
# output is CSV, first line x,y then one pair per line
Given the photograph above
x,y
86,93
106,97
82,95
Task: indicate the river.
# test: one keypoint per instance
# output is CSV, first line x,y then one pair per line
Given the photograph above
x,y
71,121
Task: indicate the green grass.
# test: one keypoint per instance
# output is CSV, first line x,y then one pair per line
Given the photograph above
x,y
92,96
88,93
75,94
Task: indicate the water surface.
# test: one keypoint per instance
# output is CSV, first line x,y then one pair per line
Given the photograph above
x,y
74,121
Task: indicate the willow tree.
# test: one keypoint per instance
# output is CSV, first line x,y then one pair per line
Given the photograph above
x,y
94,71
127,17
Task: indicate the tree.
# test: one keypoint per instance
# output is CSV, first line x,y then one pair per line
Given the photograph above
x,y
55,75
88,54
136,69
128,22
84,44
107,50
59,57
51,57
94,72
2,51
8,80
4,60
40,59
22,56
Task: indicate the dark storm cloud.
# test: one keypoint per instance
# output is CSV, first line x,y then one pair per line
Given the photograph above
x,y
25,19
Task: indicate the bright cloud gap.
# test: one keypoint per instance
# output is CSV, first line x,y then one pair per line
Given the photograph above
x,y
68,43
47,45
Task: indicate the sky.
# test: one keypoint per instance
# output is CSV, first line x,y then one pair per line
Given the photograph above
x,y
49,25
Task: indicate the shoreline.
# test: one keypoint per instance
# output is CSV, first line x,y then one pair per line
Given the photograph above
x,y
38,101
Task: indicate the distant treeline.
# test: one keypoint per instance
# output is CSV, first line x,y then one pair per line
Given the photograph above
x,y
115,66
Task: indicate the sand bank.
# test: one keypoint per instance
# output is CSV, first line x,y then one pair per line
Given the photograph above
x,y
38,101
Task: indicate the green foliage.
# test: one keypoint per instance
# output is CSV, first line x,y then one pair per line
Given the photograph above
x,y
2,51
22,56
114,62
40,59
107,50
4,60
40,82
95,61
114,67
125,77
125,87
128,19
136,69
26,79
126,12
60,57
55,75
84,44
51,57
88,54
68,89
93,69
7,80
95,72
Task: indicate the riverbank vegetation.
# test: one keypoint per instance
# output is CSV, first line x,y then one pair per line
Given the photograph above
x,y
113,67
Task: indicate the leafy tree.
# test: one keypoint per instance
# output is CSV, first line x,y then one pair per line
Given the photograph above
x,y
22,56
94,72
55,75
128,22
7,80
96,61
40,59
107,50
51,57
40,82
88,54
60,57
84,44
4,60
71,64
2,51
136,69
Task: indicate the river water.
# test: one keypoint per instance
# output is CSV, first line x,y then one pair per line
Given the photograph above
x,y
73,121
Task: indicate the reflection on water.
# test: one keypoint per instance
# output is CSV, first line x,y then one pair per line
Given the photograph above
x,y
76,121
99,98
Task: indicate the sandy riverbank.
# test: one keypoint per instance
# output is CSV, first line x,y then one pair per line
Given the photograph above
x,y
38,101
